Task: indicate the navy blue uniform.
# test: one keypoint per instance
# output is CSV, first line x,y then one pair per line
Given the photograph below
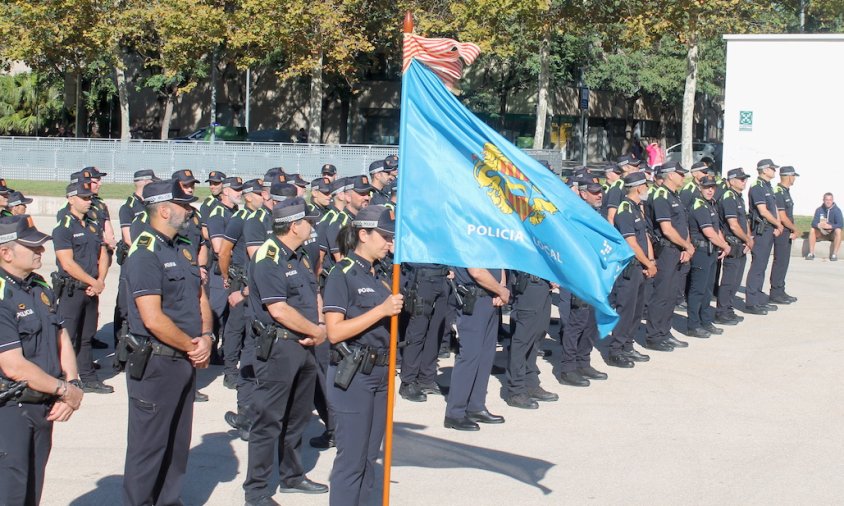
x,y
612,197
361,411
478,334
215,224
731,205
629,288
702,276
285,381
665,207
529,320
78,310
425,327
161,402
782,244
760,193
235,329
28,322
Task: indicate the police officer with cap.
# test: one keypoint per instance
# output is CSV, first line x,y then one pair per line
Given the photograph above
x,y
99,209
581,330
782,244
734,221
766,226
392,164
358,305
258,227
170,318
39,384
357,192
672,248
625,164
283,291
17,203
329,171
629,290
83,266
710,245
230,199
297,181
4,198
381,178
215,184
334,214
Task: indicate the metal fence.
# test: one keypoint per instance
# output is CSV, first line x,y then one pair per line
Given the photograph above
x,y
56,158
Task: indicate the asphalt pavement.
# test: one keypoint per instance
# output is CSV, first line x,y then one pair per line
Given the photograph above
x,y
752,416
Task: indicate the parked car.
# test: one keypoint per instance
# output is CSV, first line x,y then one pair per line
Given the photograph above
x,y
268,135
219,132
701,151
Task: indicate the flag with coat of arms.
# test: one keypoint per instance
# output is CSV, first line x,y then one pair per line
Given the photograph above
x,y
469,198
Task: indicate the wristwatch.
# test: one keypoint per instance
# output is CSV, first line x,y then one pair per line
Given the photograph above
x,y
76,383
212,336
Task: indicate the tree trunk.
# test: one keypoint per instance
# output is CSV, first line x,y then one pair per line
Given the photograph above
x,y
503,94
315,108
168,115
542,98
689,100
663,126
629,126
123,97
213,119
78,120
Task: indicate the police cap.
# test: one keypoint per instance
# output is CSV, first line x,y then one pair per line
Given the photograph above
x,y
22,229
80,189
144,174
737,174
635,179
788,170
380,218
166,191
18,199
215,176
184,176
391,162
293,209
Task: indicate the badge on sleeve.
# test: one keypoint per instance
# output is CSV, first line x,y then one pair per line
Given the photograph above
x,y
45,299
187,255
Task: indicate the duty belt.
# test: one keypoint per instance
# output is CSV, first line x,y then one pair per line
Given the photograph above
x,y
432,271
665,243
163,350
382,357
700,244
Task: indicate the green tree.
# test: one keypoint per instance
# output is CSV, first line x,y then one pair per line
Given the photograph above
x,y
27,103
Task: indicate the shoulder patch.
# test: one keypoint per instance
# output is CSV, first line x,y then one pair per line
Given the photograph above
x,y
145,240
2,288
267,250
624,207
661,192
699,203
346,264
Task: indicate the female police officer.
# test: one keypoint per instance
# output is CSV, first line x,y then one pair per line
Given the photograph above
x,y
357,306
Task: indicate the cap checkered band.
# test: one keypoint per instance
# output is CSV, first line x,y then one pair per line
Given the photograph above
x,y
8,237
288,219
365,223
154,199
139,178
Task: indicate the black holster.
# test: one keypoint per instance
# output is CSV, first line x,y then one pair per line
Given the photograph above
x,y
265,338
469,295
58,284
348,365
140,349
121,253
121,352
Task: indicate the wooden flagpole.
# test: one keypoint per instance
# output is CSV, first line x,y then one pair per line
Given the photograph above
x,y
394,335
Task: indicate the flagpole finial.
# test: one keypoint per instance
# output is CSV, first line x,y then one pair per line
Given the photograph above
x,y
408,22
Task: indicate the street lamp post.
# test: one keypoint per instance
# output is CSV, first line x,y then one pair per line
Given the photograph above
x,y
584,123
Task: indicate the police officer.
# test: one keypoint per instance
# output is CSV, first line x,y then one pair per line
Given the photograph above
x,y
337,190
734,223
36,353
672,248
170,317
128,212
477,326
426,306
689,193
215,185
83,266
357,191
581,329
233,262
358,306
766,226
392,164
382,178
283,291
258,226
710,245
17,203
4,199
297,181
329,171
629,289
782,244
529,320
230,198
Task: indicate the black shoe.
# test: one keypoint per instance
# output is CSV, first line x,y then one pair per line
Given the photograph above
x,y
200,397
574,379
411,392
658,346
620,360
726,320
759,310
230,382
264,501
673,341
592,373
305,486
484,417
790,297
779,299
698,332
240,423
540,394
769,307
522,401
96,387
543,353
737,317
460,424
323,441
431,388
97,344
712,329
444,354
636,356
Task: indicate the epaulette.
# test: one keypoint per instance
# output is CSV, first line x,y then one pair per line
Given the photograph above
x,y
690,185
145,240
67,221
729,194
624,207
267,250
2,288
698,203
217,210
241,213
778,189
349,264
328,216
661,192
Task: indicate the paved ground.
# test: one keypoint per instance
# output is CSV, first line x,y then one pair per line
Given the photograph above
x,y
748,417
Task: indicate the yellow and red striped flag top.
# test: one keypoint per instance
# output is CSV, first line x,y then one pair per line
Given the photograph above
x,y
445,57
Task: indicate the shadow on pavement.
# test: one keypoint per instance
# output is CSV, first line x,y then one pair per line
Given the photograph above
x,y
109,491
412,449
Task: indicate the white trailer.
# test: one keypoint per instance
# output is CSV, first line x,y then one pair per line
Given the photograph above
x,y
784,100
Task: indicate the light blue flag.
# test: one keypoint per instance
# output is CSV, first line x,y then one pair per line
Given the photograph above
x,y
469,198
